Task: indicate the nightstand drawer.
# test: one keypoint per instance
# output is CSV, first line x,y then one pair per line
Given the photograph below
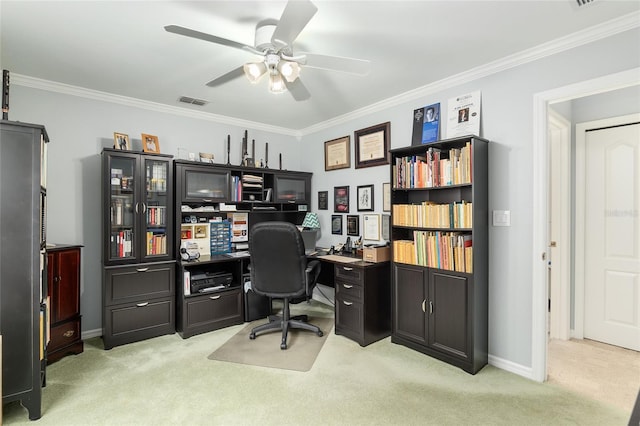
x,y
348,273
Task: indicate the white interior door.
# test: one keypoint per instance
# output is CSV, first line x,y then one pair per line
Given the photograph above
x,y
612,235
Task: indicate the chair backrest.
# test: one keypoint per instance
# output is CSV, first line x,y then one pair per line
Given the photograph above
x,y
278,260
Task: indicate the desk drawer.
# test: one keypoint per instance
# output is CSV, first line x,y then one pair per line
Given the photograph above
x,y
349,290
349,273
126,284
210,312
350,319
138,321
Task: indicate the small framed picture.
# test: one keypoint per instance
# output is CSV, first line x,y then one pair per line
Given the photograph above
x,y
371,227
386,197
323,200
150,143
121,141
336,224
353,225
365,198
341,199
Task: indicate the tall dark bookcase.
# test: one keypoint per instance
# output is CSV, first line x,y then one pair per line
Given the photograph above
x,y
439,235
23,290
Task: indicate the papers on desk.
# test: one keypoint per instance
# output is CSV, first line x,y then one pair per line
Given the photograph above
x,y
341,259
238,254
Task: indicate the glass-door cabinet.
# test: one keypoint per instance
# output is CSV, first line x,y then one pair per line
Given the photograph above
x,y
137,207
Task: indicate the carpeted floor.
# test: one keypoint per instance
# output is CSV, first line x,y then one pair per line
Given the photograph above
x,y
170,381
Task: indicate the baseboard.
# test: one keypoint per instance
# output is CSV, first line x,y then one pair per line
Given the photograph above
x,y
89,334
511,367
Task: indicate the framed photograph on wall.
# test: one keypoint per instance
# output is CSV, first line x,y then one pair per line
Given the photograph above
x,y
353,225
386,197
323,200
121,141
386,227
371,227
150,143
341,199
372,145
365,198
336,224
337,154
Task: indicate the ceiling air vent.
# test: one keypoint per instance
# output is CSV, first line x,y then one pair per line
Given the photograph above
x,y
584,2
192,101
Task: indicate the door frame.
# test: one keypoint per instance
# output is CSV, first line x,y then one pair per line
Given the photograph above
x,y
581,193
540,231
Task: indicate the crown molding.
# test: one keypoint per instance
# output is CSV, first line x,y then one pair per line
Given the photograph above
x,y
589,35
67,89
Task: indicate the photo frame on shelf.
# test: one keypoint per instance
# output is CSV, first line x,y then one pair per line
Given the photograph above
x,y
336,224
386,197
341,199
121,141
150,143
353,225
337,154
372,145
323,200
365,198
371,227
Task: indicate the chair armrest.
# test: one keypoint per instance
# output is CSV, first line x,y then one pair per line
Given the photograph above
x,y
312,273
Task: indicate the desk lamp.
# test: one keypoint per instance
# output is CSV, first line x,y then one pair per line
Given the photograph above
x,y
311,221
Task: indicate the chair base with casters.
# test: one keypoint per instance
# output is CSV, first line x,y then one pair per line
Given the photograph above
x,y
285,323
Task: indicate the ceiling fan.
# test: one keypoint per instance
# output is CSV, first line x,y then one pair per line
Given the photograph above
x,y
274,43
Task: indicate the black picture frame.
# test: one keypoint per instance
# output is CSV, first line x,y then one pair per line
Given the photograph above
x,y
336,224
353,225
323,200
341,199
365,198
372,145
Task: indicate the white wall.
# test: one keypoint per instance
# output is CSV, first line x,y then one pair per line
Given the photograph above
x,y
79,128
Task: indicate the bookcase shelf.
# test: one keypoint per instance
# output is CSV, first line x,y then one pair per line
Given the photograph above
x,y
439,236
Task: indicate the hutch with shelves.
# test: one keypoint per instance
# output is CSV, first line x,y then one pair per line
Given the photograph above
x,y
139,266
439,233
23,289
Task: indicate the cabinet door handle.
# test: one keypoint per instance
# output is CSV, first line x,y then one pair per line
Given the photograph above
x,y
137,211
430,307
142,269
347,286
424,308
214,297
347,269
142,305
347,303
144,207
207,200
69,333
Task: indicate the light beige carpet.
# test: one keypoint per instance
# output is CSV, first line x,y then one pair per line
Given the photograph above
x,y
302,351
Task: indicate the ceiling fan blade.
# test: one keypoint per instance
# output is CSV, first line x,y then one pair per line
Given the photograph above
x,y
298,90
206,37
295,17
225,78
337,63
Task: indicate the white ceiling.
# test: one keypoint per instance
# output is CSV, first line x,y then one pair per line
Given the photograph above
x,y
122,48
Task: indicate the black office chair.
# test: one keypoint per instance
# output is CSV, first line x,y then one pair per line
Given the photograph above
x,y
279,269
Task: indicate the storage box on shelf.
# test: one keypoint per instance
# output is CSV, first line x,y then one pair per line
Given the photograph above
x,y
440,250
138,249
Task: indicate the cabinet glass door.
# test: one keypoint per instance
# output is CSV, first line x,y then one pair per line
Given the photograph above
x,y
291,189
154,214
123,206
205,185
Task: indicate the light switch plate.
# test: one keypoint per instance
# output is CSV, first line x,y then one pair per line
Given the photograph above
x,y
501,218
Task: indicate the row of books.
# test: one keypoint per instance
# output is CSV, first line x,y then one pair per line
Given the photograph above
x,y
452,251
156,243
433,215
121,211
156,215
236,188
157,177
436,168
122,243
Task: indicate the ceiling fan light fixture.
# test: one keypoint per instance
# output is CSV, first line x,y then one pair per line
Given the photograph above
x,y
254,70
289,70
276,83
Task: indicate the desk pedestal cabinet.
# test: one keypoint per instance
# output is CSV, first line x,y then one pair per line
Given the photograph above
x,y
63,282
363,301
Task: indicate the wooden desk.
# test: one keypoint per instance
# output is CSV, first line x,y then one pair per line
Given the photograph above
x,y
363,297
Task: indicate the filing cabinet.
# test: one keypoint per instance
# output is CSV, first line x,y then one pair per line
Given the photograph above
x,y
363,301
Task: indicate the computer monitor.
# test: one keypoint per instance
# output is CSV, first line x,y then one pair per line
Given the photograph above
x,y
309,238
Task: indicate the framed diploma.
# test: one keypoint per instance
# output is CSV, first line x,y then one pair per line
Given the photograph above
x,y
337,154
386,197
371,227
372,145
